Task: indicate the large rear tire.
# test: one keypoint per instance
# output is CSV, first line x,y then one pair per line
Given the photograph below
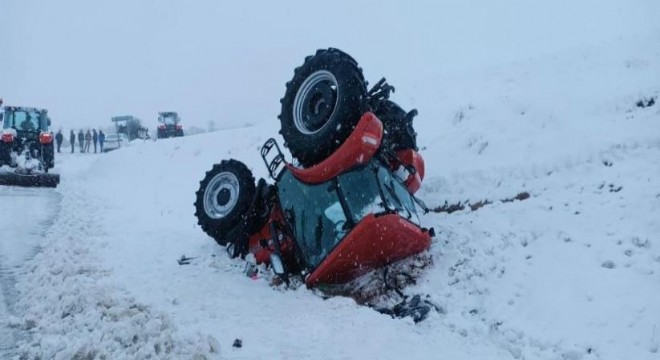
x,y
224,198
322,104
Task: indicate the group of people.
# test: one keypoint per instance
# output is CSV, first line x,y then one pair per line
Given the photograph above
x,y
85,140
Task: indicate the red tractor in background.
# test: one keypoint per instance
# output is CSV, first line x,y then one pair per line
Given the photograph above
x,y
26,147
347,205
170,125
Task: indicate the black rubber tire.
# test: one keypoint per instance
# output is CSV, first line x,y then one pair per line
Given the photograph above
x,y
5,154
48,156
239,214
398,131
330,125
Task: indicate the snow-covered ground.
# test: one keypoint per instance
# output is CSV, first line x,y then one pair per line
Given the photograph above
x,y
571,273
26,214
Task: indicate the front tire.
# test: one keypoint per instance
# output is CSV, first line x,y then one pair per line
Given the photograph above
x,y
322,104
224,198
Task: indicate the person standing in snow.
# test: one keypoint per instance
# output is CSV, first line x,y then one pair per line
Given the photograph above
x,y
58,139
81,141
72,140
95,139
88,140
101,139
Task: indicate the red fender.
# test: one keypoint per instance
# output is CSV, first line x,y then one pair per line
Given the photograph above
x,y
358,149
410,157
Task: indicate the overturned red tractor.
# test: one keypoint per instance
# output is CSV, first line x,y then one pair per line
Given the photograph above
x,y
347,206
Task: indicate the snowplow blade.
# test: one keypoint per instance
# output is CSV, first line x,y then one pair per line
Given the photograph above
x,y
39,180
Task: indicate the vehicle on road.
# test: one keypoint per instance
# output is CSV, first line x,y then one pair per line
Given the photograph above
x,y
27,147
170,125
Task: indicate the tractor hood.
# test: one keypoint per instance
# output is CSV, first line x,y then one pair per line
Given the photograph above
x,y
375,242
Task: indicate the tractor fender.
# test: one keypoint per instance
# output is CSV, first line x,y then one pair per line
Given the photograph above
x,y
358,149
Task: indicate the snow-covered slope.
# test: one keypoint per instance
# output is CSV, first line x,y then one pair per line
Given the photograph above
x,y
573,272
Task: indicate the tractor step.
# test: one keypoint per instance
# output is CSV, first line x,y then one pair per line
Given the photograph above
x,y
274,164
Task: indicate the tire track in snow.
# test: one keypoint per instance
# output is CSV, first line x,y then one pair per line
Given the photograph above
x,y
74,309
25,216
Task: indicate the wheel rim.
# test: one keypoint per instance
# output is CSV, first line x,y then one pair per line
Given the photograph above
x,y
221,195
315,102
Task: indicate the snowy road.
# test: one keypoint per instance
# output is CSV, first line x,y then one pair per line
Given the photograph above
x,y
25,215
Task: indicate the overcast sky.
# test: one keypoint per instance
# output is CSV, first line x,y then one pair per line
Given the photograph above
x,y
228,62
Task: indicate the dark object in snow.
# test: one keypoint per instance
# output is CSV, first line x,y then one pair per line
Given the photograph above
x,y
30,180
608,264
450,208
520,197
185,260
238,343
614,188
644,103
415,307
28,146
382,288
360,171
251,270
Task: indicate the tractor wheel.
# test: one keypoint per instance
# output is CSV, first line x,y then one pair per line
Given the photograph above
x,y
48,156
5,154
322,104
399,133
224,198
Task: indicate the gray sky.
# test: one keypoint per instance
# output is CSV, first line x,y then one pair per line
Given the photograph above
x,y
86,61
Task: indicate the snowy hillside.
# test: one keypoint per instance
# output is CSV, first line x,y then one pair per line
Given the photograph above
x,y
556,99
571,273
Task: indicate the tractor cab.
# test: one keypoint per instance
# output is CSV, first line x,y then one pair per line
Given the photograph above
x,y
26,121
170,125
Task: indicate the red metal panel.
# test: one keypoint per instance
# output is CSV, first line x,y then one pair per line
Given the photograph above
x,y
358,149
373,243
410,157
